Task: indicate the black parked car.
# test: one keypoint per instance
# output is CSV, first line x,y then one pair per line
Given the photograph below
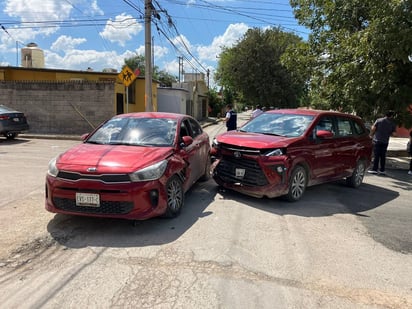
x,y
12,122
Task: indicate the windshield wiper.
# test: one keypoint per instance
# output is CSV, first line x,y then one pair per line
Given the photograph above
x,y
268,133
94,142
126,144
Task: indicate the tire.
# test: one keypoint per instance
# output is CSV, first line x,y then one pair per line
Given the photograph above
x,y
297,184
356,179
10,136
206,174
175,197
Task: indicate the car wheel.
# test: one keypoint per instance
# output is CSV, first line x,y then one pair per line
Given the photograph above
x,y
297,184
356,179
206,174
175,197
10,135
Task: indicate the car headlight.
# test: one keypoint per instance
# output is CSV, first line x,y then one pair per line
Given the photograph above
x,y
275,153
215,143
151,172
52,170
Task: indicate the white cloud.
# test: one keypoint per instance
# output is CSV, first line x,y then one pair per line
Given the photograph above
x,y
31,11
65,42
172,67
181,42
140,50
83,59
206,54
159,51
232,35
121,29
38,10
94,8
64,51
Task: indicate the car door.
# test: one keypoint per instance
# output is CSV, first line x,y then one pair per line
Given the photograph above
x,y
323,161
202,144
346,146
192,152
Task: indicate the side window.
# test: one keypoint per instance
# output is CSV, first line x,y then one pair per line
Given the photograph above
x,y
184,131
344,126
359,129
325,124
196,128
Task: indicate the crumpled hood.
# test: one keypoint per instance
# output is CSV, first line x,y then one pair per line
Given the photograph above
x,y
110,158
254,140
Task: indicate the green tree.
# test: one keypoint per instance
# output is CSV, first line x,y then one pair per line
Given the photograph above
x,y
215,103
138,62
359,55
166,79
252,70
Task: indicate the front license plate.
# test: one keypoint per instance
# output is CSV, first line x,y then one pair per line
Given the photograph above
x,y
87,199
240,172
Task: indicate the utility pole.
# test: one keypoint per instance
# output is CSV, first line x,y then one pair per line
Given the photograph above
x,y
148,56
180,68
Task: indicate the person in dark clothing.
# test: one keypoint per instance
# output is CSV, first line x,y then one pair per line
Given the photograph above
x,y
381,131
231,118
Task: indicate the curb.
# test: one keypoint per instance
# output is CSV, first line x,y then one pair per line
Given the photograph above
x,y
398,163
51,136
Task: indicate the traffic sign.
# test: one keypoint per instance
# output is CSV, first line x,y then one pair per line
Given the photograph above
x,y
127,76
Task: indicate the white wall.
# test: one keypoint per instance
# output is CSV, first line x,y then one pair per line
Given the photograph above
x,y
171,100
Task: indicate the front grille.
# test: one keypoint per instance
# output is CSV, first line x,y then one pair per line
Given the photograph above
x,y
106,178
242,150
106,207
254,176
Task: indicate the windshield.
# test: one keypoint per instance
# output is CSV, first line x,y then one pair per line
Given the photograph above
x,y
136,132
288,125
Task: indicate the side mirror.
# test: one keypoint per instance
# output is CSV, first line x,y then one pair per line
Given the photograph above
x,y
186,141
324,134
85,136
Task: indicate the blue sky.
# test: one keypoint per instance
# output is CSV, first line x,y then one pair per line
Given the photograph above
x,y
77,34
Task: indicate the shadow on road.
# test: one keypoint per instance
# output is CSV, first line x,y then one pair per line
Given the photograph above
x,y
322,200
386,220
318,201
80,232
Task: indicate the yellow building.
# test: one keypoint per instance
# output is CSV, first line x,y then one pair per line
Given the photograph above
x,y
136,89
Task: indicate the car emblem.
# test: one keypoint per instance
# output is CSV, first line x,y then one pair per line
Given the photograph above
x,y
91,169
237,154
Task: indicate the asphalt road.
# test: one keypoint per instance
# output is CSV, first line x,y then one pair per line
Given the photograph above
x,y
336,248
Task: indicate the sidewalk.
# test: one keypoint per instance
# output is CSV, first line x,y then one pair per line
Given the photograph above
x,y
397,157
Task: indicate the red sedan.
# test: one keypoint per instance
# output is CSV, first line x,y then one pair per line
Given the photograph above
x,y
134,166
281,152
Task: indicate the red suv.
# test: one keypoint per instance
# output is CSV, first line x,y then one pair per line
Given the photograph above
x,y
281,152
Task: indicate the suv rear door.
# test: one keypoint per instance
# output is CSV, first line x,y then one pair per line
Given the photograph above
x,y
349,144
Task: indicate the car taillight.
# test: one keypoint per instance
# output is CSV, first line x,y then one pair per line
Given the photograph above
x,y
4,117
